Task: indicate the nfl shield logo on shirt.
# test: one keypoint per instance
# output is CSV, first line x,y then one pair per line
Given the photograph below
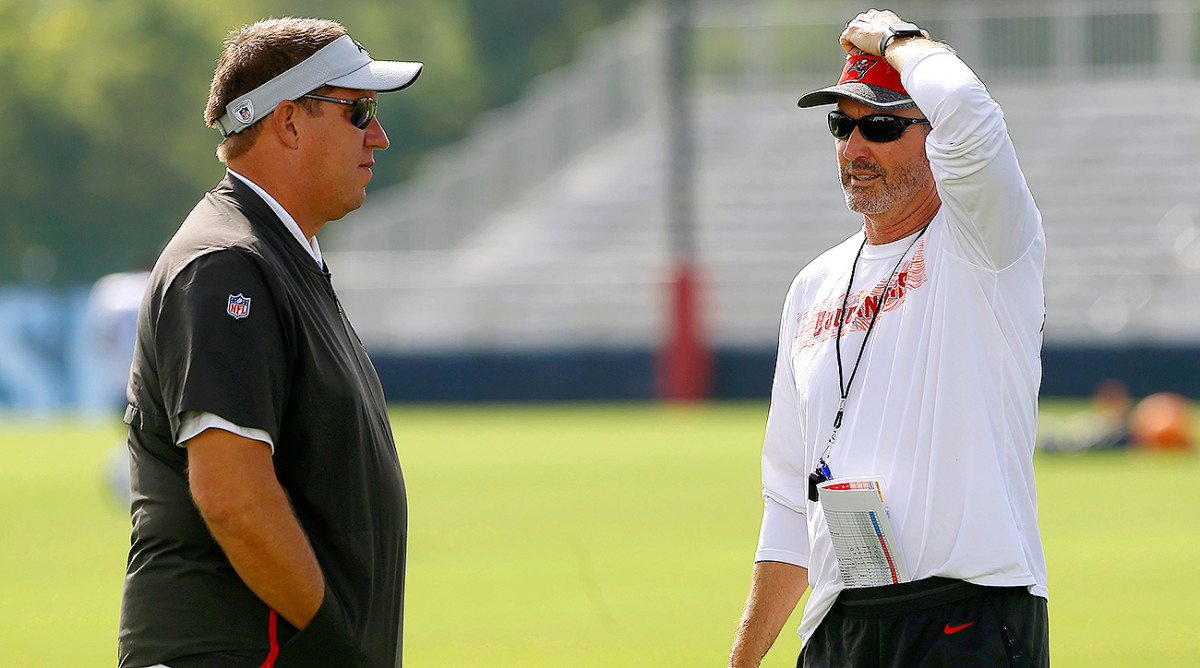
x,y
239,306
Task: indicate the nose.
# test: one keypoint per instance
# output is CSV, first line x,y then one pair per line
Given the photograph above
x,y
376,137
854,146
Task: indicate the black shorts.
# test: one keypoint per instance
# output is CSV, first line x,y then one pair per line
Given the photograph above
x,y
932,623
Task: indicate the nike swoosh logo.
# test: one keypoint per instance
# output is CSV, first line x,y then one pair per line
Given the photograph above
x,y
955,629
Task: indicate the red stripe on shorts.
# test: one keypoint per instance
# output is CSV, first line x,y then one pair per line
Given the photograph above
x,y
270,662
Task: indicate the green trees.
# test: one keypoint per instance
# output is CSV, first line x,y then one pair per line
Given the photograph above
x,y
103,149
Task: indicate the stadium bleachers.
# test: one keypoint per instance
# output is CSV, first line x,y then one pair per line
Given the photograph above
x,y
580,257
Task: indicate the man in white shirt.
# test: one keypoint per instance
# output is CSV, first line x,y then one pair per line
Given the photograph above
x,y
910,354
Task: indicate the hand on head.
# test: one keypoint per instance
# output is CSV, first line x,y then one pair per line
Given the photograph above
x,y
863,32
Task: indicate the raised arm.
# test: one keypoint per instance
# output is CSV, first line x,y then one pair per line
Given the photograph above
x,y
972,158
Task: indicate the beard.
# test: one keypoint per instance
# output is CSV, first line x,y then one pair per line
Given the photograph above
x,y
895,187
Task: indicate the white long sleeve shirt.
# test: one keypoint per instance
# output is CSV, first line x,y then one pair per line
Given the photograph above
x,y
944,406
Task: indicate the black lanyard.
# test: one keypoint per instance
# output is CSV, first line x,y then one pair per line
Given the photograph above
x,y
822,472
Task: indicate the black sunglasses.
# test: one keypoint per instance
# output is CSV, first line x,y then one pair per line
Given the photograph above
x,y
364,108
875,127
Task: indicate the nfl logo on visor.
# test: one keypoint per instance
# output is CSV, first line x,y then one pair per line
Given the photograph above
x,y
239,306
244,111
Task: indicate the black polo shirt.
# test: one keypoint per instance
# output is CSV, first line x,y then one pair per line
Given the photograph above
x,y
239,321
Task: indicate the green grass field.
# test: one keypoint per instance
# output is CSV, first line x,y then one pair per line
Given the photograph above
x,y
610,535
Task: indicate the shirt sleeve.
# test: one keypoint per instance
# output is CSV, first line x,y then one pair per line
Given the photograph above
x,y
193,423
220,344
973,161
783,535
784,532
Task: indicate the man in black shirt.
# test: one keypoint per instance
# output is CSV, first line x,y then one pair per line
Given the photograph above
x,y
269,512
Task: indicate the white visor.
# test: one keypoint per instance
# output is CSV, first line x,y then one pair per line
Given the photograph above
x,y
343,63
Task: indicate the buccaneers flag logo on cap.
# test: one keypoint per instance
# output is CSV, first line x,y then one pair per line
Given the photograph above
x,y
874,71
857,68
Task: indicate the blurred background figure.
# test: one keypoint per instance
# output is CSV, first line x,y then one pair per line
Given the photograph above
x,y
112,313
1111,402
1102,425
112,324
1159,421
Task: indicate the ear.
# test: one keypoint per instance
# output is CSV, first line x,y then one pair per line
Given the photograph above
x,y
282,123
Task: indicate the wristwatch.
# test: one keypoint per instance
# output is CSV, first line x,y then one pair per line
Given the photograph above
x,y
898,30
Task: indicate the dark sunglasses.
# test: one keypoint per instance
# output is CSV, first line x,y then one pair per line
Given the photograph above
x,y
364,108
875,127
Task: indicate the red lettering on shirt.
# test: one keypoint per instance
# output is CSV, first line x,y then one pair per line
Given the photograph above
x,y
820,323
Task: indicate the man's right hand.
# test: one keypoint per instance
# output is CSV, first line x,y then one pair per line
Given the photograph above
x,y
864,31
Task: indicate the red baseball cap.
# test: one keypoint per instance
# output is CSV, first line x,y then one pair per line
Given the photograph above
x,y
867,79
